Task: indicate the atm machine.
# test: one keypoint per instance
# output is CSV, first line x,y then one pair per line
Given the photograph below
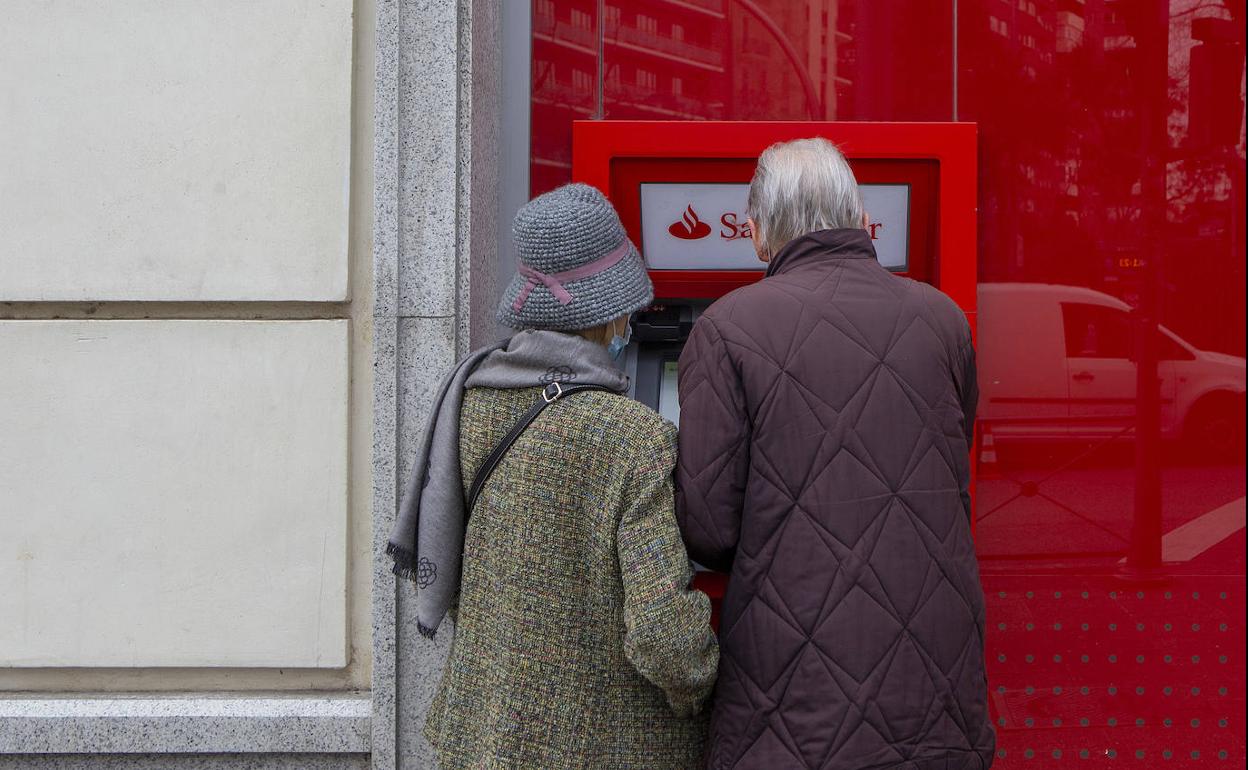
x,y
680,189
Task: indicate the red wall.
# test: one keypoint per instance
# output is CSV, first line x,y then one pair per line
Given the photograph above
x,y
1111,187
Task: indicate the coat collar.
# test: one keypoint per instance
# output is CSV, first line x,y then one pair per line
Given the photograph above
x,y
820,245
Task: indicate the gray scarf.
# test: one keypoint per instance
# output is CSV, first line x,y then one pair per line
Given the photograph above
x,y
427,543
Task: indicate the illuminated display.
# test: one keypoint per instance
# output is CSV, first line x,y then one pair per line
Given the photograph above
x,y
702,226
669,399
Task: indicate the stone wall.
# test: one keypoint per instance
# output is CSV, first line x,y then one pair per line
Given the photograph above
x,y
435,255
186,391
240,243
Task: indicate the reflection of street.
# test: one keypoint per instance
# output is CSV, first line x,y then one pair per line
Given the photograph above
x,y
1039,515
1084,665
1195,538
1077,377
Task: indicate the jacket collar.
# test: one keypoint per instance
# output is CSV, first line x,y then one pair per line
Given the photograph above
x,y
820,245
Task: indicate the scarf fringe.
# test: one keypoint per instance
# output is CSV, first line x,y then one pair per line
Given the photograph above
x,y
404,561
405,567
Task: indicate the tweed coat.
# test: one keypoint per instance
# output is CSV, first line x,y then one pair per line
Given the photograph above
x,y
578,641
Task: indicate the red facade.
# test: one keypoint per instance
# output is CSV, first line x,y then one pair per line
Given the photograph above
x,y
1111,310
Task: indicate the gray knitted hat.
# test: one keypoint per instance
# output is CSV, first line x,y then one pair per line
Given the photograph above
x,y
577,268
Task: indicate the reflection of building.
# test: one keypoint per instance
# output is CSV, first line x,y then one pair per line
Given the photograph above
x,y
1082,181
652,58
1205,177
665,60
669,60
565,83
1073,175
731,60
802,83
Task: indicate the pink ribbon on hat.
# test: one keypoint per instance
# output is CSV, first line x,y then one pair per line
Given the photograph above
x,y
554,281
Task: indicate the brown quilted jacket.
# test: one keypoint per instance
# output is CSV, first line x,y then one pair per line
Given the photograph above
x,y
826,417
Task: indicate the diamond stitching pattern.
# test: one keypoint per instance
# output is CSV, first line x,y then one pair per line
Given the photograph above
x,y
837,381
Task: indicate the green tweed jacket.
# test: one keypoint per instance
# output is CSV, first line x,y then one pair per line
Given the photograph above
x,y
578,642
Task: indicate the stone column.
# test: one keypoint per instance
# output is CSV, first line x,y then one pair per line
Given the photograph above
x,y
435,243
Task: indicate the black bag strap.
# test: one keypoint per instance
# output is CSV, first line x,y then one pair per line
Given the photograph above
x,y
550,395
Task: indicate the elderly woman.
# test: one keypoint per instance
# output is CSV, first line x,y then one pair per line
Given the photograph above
x,y
578,640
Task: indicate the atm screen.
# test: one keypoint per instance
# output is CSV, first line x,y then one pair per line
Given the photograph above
x,y
652,366
702,225
669,400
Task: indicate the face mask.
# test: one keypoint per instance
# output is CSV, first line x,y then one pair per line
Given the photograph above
x,y
616,348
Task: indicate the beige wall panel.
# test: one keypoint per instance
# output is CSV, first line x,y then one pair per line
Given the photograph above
x,y
174,149
173,493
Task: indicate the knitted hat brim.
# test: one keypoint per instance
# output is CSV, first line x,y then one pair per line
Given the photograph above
x,y
619,290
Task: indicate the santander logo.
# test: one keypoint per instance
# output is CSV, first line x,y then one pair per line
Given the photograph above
x,y
689,227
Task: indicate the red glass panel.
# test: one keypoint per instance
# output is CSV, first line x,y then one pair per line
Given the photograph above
x,y
1111,512
733,60
565,78
1111,485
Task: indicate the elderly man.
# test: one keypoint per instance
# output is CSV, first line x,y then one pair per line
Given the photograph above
x,y
826,416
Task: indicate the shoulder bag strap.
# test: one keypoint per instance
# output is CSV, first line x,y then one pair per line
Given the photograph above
x,y
550,395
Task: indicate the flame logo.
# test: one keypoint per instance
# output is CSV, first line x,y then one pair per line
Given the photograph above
x,y
689,227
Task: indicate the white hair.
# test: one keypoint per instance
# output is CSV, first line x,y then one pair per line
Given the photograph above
x,y
799,187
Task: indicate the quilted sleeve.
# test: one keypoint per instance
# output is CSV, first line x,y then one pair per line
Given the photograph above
x,y
668,636
714,448
968,386
967,383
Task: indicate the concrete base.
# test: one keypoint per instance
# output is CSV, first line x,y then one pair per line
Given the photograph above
x,y
185,761
57,732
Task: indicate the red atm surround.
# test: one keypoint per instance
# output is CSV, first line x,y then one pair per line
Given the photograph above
x,y
936,159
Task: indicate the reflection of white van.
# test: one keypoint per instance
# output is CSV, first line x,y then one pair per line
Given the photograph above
x,y
1055,363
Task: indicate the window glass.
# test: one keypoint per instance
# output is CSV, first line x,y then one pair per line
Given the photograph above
x,y
1096,331
1110,159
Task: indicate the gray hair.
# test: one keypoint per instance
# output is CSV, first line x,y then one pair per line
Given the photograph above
x,y
799,187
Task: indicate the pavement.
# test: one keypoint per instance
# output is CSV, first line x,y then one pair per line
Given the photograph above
x,y
1088,667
